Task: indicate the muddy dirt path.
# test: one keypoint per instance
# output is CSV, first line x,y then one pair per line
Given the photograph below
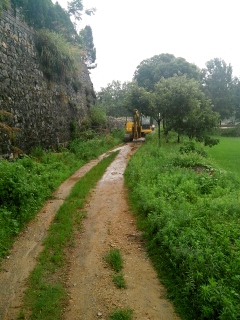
x,y
22,259
109,224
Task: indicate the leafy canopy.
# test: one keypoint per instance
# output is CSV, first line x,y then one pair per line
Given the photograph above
x,y
217,84
112,99
165,65
184,107
90,56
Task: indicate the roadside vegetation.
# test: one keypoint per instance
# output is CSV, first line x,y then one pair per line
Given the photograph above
x,y
46,295
121,314
27,182
115,260
188,207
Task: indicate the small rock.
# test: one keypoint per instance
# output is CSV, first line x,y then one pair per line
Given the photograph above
x,y
99,314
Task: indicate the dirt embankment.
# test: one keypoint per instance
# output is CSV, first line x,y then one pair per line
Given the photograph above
x,y
109,224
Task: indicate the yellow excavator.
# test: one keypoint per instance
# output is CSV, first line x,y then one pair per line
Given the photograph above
x,y
137,127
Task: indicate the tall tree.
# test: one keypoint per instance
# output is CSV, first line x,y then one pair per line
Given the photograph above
x,y
184,107
165,65
75,8
217,84
87,37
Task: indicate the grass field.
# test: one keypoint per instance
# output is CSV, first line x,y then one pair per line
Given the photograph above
x,y
227,154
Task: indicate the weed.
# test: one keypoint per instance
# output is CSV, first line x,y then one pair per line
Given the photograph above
x,y
119,280
121,314
114,258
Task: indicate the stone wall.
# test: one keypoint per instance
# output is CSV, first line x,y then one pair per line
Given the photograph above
x,y
42,110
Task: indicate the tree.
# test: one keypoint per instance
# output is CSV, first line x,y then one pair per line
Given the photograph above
x,y
217,85
184,107
138,98
46,15
112,98
87,37
75,8
150,71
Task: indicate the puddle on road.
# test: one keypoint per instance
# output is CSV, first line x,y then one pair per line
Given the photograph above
x,y
116,169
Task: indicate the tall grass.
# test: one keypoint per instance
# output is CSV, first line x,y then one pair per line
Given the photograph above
x,y
189,210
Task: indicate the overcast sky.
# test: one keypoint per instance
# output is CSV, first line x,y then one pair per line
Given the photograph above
x,y
128,31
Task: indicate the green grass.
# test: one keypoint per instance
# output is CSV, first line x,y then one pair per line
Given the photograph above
x,y
114,259
26,183
189,210
119,281
46,294
227,154
121,314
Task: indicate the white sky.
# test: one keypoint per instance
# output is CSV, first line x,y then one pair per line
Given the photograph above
x,y
128,31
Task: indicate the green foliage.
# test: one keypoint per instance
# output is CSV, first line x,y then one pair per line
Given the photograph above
x,y
90,56
58,57
37,152
7,133
88,149
27,182
97,118
138,98
75,7
46,15
209,141
119,280
217,84
190,211
114,258
121,314
183,107
112,99
190,146
150,71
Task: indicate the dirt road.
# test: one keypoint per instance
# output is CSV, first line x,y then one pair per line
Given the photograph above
x,y
109,224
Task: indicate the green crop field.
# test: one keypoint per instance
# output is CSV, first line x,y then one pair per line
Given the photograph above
x,y
227,153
